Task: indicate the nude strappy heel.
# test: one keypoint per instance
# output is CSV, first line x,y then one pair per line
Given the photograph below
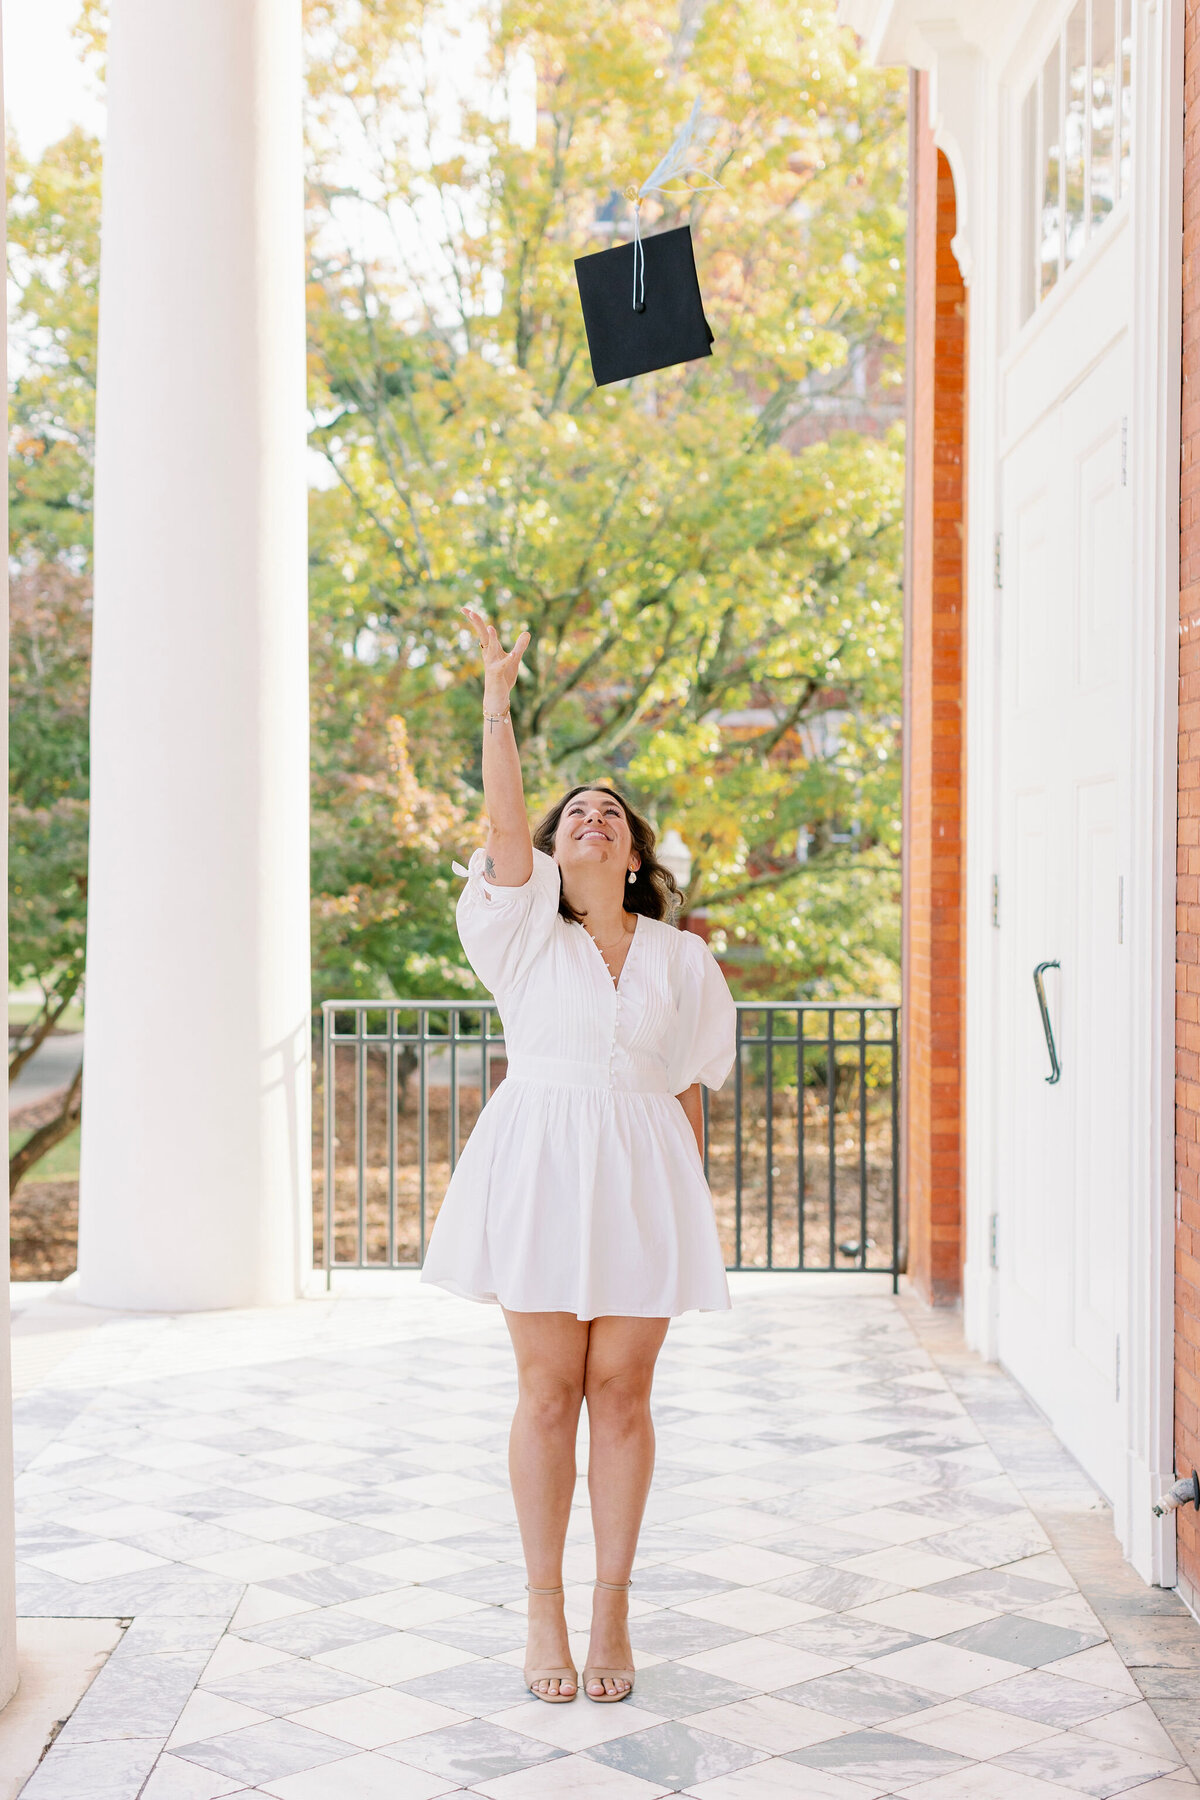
x,y
561,1675
617,1587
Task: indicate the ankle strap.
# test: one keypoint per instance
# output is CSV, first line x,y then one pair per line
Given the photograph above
x,y
537,1590
618,1587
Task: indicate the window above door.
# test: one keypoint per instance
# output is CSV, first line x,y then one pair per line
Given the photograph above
x,y
1076,135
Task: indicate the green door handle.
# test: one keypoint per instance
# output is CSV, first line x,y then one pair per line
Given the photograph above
x,y
1055,1066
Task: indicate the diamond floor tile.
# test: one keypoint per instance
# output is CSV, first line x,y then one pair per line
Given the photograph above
x,y
676,1754
1088,1766
1019,1639
862,1696
1053,1699
879,1756
473,1752
259,1753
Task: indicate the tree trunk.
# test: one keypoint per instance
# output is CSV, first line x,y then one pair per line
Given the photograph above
x,y
46,1136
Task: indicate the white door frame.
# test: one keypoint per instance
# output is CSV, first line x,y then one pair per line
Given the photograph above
x,y
972,99
1154,437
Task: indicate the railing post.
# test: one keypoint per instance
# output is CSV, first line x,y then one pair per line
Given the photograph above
x,y
704,1110
862,1138
801,1172
895,1150
422,1126
737,1144
393,1101
453,1091
360,1134
831,1128
769,1103
329,1108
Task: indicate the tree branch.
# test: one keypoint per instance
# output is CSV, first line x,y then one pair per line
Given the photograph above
x,y
44,1022
776,878
46,1136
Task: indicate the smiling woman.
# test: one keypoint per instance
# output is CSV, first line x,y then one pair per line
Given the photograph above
x,y
580,1201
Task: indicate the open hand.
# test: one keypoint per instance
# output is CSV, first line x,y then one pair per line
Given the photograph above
x,y
499,665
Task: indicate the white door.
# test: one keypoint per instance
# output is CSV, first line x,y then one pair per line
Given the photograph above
x,y
1063,1146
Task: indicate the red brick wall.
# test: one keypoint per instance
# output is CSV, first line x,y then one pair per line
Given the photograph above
x,y
1187,953
934,986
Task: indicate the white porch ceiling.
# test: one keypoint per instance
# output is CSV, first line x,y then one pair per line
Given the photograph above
x,y
912,31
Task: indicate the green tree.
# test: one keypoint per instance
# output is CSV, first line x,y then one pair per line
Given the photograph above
x,y
50,648
54,216
701,585
53,270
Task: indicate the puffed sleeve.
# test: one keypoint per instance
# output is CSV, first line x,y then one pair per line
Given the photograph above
x,y
503,928
706,1020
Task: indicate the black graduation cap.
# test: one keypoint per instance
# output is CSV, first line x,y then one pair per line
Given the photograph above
x,y
642,306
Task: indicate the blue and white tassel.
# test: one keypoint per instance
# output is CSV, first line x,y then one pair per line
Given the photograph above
x,y
689,156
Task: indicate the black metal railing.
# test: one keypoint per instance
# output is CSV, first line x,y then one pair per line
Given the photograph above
x,y
802,1141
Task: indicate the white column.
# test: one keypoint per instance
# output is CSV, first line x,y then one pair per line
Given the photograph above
x,y
195,1185
8,1603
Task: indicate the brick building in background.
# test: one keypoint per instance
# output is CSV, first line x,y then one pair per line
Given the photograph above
x,y
1052,882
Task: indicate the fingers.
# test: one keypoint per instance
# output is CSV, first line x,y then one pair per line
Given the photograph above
x,y
483,631
489,640
513,659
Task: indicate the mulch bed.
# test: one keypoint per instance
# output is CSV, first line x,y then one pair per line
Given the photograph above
x,y
43,1230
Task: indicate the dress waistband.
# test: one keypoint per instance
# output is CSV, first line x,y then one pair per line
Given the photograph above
x,y
557,1071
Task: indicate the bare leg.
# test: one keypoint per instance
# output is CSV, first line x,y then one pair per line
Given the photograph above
x,y
617,1382
551,1352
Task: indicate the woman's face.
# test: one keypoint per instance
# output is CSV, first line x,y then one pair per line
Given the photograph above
x,y
593,829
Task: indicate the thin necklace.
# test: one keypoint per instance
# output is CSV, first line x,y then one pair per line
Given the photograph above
x,y
605,948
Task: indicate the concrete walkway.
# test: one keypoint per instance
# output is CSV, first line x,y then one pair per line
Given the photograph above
x,y
47,1072
867,1569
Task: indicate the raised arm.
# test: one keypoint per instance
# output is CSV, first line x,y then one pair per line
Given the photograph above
x,y
509,845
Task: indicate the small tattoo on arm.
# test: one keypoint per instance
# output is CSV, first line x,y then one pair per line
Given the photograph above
x,y
489,868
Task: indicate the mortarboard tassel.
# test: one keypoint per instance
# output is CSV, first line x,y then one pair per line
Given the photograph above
x,y
688,156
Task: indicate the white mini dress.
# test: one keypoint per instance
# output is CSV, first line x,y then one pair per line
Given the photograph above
x,y
580,1188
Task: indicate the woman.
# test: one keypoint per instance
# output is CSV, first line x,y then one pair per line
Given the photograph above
x,y
580,1202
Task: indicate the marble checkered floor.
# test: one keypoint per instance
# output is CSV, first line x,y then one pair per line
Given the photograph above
x,y
841,1591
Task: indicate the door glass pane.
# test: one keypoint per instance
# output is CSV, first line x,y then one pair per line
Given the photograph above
x,y
1103,181
1126,48
1075,129
1051,171
1029,202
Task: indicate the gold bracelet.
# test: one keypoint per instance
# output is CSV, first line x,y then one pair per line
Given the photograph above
x,y
498,718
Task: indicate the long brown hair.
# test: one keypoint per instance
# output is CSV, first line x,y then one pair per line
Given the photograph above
x,y
654,892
